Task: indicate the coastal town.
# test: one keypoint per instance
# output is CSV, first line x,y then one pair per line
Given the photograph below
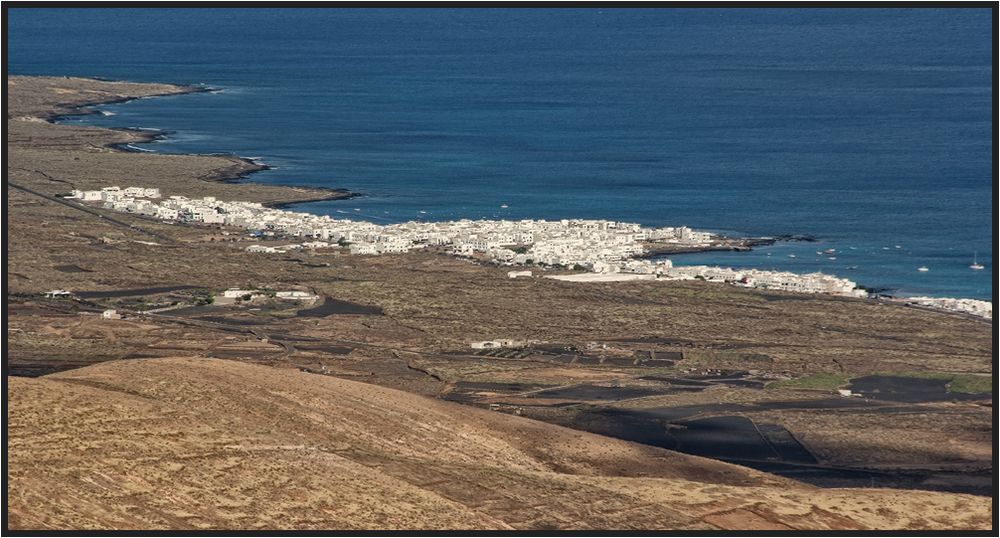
x,y
526,375
973,307
595,250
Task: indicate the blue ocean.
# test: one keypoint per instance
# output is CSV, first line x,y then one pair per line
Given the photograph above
x,y
869,129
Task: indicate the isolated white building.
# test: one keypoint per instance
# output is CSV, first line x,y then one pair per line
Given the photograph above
x,y
263,249
494,344
295,295
58,294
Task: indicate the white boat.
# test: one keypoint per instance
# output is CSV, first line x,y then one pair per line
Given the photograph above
x,y
922,269
504,206
976,266
791,255
832,258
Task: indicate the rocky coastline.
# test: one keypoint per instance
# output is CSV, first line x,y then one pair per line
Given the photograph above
x,y
721,243
240,170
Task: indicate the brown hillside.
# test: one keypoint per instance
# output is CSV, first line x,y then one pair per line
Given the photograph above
x,y
195,443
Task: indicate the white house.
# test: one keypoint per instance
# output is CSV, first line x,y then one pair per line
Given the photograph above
x,y
494,344
58,294
86,196
262,248
295,295
362,248
603,267
166,213
233,293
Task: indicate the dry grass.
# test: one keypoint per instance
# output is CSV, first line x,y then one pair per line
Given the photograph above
x,y
187,443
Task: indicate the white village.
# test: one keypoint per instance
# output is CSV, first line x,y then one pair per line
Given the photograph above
x,y
598,250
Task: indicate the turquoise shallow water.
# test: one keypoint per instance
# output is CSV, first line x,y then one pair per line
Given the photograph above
x,y
866,128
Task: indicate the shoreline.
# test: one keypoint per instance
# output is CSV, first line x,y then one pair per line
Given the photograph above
x,y
907,302
86,108
246,166
242,167
322,227
335,194
724,243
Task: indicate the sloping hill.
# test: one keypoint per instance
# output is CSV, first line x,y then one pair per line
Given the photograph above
x,y
195,443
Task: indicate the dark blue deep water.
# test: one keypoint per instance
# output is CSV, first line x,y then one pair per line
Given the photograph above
x,y
867,128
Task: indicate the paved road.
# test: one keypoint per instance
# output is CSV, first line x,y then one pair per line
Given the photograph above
x,y
85,209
